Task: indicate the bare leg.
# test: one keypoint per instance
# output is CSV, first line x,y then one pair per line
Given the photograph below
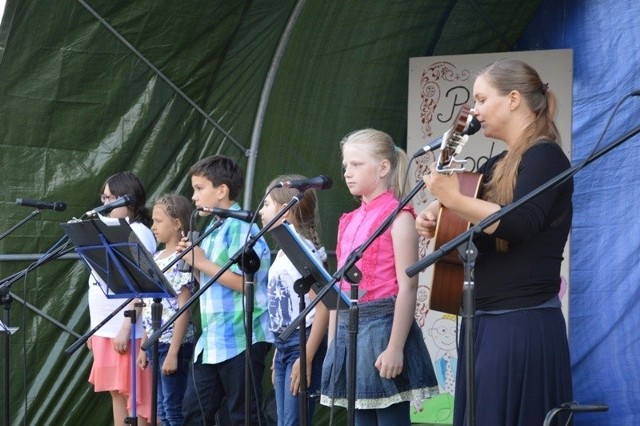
x,y
120,412
119,403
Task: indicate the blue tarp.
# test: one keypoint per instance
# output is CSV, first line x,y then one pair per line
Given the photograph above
x,y
605,272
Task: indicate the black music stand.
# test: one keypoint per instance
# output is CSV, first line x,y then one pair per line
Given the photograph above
x,y
308,265
113,251
315,276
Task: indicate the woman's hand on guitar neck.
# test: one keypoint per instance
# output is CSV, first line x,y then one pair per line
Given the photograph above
x,y
443,186
426,221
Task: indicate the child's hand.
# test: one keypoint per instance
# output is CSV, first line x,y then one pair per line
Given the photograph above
x,y
142,360
194,256
183,244
121,341
170,364
295,375
390,363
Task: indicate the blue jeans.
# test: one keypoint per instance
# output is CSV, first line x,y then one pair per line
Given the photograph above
x,y
286,355
171,388
209,385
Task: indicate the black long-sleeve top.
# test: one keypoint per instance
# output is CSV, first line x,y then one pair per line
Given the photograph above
x,y
528,274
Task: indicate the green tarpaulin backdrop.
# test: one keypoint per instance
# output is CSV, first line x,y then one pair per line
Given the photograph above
x,y
91,88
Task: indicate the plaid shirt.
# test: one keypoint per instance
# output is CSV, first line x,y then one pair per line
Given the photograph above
x,y
222,309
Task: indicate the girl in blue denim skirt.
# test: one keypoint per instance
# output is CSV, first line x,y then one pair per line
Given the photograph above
x,y
393,365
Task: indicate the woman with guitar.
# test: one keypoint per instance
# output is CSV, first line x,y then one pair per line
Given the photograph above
x,y
522,365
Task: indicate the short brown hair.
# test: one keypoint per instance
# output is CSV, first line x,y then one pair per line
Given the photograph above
x,y
220,170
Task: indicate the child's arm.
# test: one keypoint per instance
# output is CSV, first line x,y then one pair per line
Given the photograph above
x,y
199,261
123,338
332,327
170,364
142,359
405,247
318,331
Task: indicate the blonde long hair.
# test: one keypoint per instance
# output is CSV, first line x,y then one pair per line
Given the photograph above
x,y
381,146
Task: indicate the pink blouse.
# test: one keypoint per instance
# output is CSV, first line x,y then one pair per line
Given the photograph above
x,y
377,264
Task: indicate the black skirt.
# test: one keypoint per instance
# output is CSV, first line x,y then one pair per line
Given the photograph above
x,y
522,368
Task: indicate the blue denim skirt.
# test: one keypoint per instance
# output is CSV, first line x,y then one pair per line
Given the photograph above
x,y
375,319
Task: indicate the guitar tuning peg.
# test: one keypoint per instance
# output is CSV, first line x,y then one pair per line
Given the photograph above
x,y
461,143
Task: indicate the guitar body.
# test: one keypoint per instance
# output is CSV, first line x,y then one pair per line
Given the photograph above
x,y
448,272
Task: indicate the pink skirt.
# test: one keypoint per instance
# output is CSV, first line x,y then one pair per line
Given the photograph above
x,y
111,371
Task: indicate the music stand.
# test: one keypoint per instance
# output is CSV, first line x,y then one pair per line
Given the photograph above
x,y
308,265
118,257
113,251
315,276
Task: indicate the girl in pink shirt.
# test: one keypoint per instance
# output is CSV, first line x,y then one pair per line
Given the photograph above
x,y
393,365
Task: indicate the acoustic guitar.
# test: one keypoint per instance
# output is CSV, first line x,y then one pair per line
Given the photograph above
x,y
448,272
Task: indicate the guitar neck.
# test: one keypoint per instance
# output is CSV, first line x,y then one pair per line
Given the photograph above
x,y
454,139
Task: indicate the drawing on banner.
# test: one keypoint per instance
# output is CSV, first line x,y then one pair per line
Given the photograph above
x,y
443,336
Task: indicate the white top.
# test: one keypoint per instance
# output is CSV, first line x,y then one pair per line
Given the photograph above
x,y
101,307
284,302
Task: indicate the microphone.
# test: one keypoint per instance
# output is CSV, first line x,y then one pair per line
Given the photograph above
x,y
182,265
123,201
58,206
471,129
243,215
318,182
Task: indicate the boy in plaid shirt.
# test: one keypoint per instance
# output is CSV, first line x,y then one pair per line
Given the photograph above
x,y
219,355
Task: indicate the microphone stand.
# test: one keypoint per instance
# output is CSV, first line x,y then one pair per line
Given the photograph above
x,y
6,299
19,224
351,273
8,281
237,257
468,256
156,320
468,288
250,264
302,286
